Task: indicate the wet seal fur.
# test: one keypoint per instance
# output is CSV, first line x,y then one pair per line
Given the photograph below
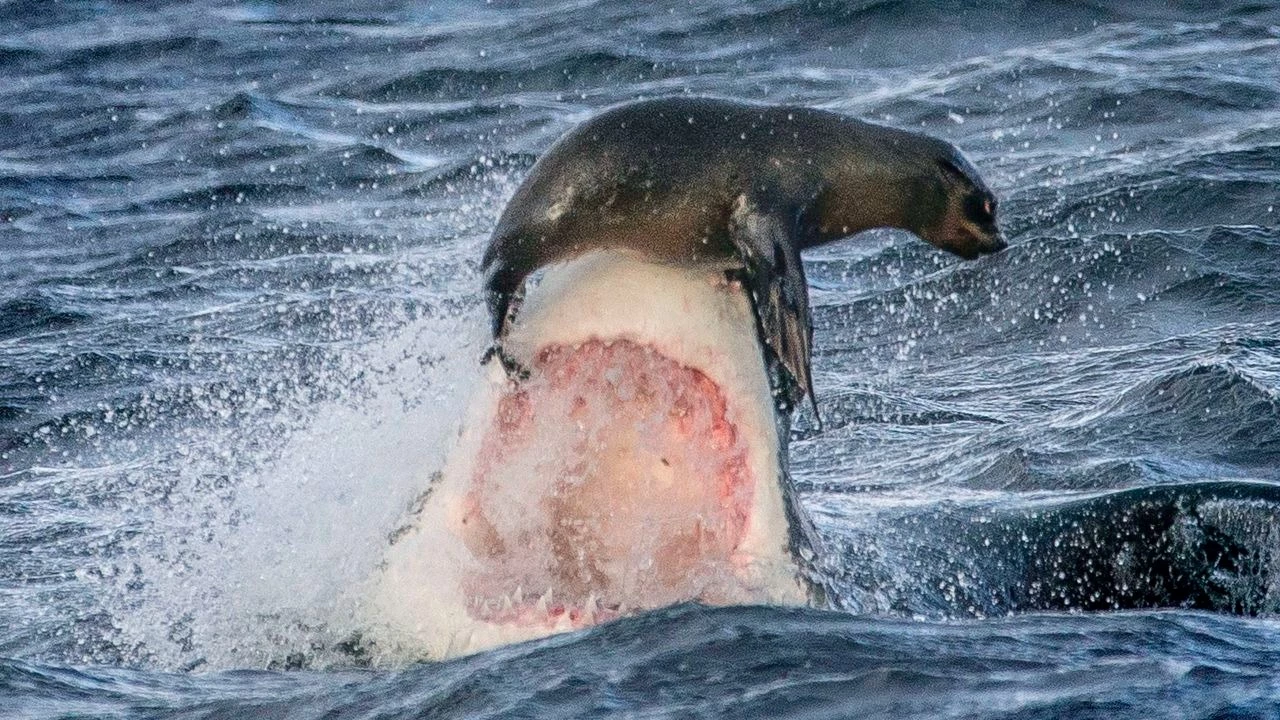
x,y
703,181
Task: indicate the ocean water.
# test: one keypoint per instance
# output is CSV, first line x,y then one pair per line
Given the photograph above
x,y
239,315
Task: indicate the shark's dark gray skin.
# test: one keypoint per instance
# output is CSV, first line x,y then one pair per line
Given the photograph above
x,y
690,180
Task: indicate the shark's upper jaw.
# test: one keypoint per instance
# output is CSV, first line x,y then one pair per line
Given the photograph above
x,y
611,479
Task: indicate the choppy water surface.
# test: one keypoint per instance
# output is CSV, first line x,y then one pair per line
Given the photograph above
x,y
239,313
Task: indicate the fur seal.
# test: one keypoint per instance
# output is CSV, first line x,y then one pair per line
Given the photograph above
x,y
692,181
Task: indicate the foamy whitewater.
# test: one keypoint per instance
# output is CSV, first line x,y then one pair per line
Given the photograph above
x,y
240,332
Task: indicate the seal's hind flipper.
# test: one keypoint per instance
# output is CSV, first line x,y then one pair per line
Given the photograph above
x,y
779,294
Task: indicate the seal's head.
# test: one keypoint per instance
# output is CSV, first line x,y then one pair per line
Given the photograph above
x,y
967,224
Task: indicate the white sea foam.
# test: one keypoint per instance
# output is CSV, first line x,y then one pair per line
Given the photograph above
x,y
246,577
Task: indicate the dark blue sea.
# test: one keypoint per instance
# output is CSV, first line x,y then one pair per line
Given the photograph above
x,y
239,290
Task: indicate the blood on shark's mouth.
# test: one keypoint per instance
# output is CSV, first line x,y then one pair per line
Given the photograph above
x,y
612,479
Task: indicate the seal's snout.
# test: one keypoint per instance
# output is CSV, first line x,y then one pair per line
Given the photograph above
x,y
995,243
971,241
988,243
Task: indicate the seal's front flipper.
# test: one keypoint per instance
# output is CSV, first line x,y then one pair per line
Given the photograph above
x,y
503,295
515,371
779,294
503,300
503,288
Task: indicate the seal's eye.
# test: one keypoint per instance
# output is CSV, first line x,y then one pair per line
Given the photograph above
x,y
980,209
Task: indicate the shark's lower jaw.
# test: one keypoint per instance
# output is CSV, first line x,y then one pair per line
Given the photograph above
x,y
633,489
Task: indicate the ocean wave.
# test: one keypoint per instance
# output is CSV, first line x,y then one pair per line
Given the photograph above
x,y
35,315
589,69
1209,545
741,662
137,53
1047,292
1209,411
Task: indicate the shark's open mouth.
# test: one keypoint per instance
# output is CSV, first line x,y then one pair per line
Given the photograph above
x,y
612,479
637,466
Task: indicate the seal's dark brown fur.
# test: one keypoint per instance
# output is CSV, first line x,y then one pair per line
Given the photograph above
x,y
746,187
